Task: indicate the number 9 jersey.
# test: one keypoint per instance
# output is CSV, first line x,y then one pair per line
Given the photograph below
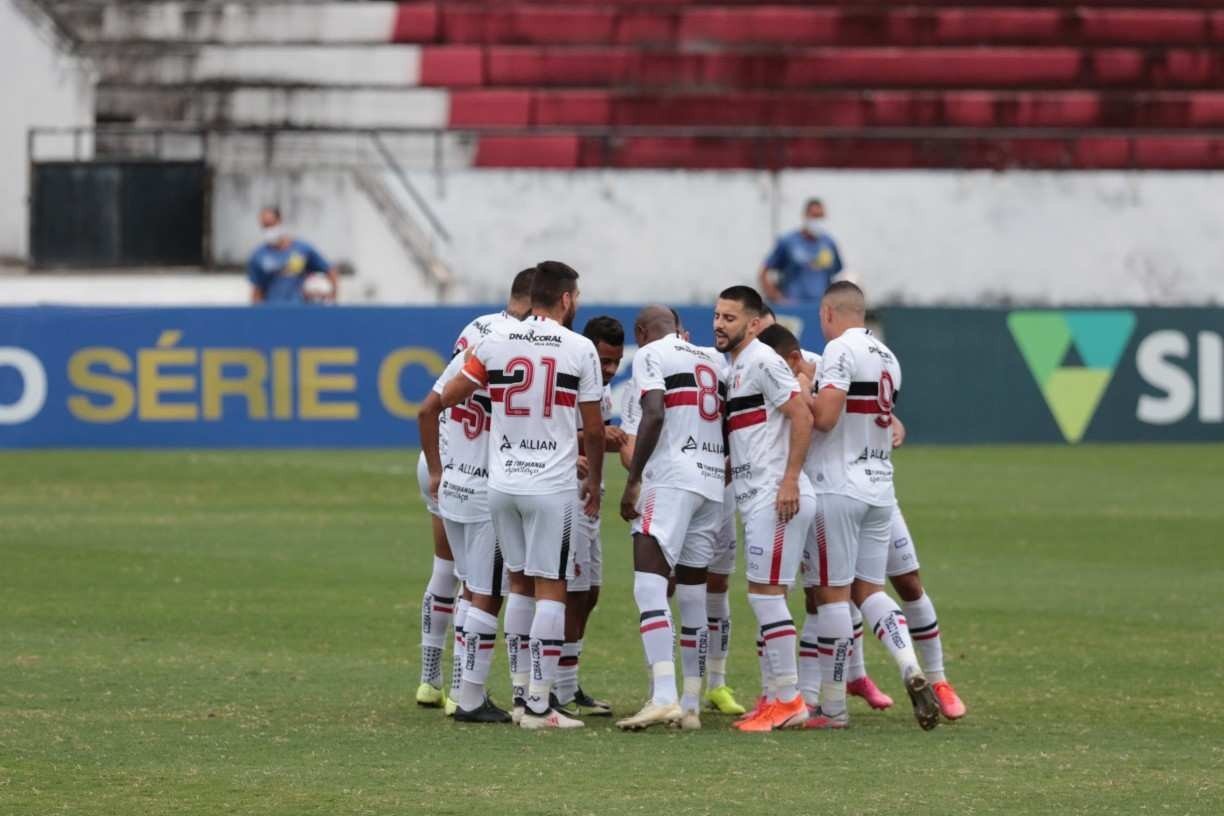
x,y
855,458
536,372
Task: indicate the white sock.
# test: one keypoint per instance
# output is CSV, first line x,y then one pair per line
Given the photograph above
x,y
767,685
458,655
480,637
886,620
833,637
520,609
694,642
809,661
779,637
855,666
437,609
924,630
650,592
547,637
567,673
718,625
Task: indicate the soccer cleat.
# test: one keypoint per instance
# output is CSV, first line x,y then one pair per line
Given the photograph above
x,y
450,707
590,707
949,702
552,719
870,692
722,700
761,703
518,709
429,696
569,709
651,714
926,707
690,721
777,715
486,712
821,721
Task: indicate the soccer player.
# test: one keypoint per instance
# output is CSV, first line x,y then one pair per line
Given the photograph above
x,y
859,382
673,498
769,428
582,594
536,375
439,606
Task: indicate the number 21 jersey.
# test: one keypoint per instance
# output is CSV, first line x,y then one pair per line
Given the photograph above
x,y
537,372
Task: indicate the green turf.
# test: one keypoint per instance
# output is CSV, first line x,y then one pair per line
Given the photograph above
x,y
237,633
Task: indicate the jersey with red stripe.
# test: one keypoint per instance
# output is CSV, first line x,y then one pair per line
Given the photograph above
x,y
760,384
631,407
479,328
813,455
605,410
855,458
537,373
464,448
690,453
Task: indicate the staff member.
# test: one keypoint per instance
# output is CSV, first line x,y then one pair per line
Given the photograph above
x,y
804,262
280,266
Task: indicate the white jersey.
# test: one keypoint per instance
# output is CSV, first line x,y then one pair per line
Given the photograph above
x,y
855,458
463,494
810,463
760,384
605,411
537,373
480,328
631,407
690,454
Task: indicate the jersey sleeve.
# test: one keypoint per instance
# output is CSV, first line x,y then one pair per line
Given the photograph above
x,y
255,273
836,366
777,256
449,373
590,379
648,370
777,383
315,262
631,408
474,366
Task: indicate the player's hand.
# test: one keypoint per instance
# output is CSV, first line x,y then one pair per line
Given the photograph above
x,y
435,481
614,437
584,467
805,385
591,498
629,500
788,500
898,432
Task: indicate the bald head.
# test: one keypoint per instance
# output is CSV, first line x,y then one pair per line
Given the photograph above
x,y
843,307
654,322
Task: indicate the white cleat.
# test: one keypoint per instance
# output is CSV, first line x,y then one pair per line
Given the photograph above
x,y
652,714
553,719
690,721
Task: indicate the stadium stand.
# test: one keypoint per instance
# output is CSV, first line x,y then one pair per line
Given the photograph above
x,y
924,84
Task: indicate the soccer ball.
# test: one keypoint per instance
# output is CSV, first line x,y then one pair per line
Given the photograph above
x,y
318,288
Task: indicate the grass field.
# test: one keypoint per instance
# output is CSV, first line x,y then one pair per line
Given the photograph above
x,y
206,633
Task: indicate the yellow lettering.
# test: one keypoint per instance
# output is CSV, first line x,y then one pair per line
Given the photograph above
x,y
152,384
282,383
313,384
389,378
118,392
250,385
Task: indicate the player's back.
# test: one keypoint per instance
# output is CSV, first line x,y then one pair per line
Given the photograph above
x,y
855,458
481,327
537,372
690,453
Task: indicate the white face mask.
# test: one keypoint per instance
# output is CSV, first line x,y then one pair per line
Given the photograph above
x,y
273,235
814,225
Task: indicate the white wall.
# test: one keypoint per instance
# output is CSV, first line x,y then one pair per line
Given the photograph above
x,y
41,84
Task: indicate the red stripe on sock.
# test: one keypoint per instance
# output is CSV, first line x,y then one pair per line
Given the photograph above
x,y
926,635
447,609
809,654
659,624
825,651
782,633
551,652
688,644
487,645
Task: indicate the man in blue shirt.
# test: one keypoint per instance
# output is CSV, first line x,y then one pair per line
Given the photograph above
x,y
281,264
803,262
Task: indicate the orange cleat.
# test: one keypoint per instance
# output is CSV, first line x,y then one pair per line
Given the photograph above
x,y
949,703
870,692
778,715
821,721
761,703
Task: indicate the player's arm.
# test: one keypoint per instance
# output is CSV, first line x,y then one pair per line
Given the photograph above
x,y
836,370
827,407
256,278
592,438
626,450
898,432
772,263
795,410
317,263
650,427
467,382
431,409
614,438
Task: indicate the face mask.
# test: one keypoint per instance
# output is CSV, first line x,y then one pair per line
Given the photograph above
x,y
814,225
273,235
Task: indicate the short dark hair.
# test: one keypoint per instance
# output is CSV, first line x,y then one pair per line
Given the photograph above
x,y
767,311
521,287
604,329
807,205
844,287
780,339
746,296
676,315
551,280
272,208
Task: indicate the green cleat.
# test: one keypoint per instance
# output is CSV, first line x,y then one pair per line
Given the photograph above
x,y
429,696
722,700
450,707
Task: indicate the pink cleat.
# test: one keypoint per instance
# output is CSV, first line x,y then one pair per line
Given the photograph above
x,y
762,703
869,691
949,702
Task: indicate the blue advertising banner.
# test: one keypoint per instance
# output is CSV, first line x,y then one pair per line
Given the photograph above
x,y
240,377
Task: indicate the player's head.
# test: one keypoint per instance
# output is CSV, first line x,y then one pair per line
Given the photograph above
x,y
780,339
655,322
737,317
271,225
813,215
682,332
843,307
608,335
554,292
768,318
519,304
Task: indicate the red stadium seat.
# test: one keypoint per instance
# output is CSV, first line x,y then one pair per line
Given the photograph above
x,y
554,151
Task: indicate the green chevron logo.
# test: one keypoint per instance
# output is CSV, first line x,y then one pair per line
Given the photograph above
x,y
1072,356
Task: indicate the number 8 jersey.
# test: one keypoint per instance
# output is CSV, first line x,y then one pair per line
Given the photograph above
x,y
536,373
855,458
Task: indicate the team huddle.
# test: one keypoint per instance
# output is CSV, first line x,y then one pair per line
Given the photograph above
x,y
514,436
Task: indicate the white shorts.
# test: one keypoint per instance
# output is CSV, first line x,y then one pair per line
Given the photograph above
x,y
848,540
902,557
423,485
474,546
684,524
773,549
588,555
723,562
536,533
